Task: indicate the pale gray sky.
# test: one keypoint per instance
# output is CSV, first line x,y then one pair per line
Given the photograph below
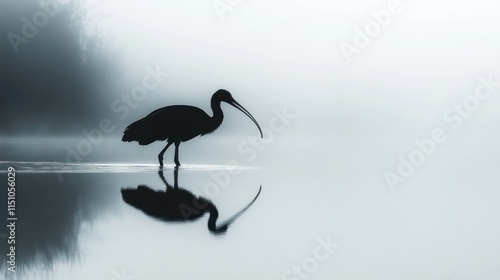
x,y
287,53
428,57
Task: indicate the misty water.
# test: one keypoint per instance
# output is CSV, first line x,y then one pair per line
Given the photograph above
x,y
441,223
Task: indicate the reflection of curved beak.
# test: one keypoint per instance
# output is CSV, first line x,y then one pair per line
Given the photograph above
x,y
225,225
239,107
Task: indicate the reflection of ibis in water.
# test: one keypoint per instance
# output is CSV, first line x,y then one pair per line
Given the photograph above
x,y
177,204
180,123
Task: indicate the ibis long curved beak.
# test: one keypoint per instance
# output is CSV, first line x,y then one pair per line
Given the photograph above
x,y
229,221
241,108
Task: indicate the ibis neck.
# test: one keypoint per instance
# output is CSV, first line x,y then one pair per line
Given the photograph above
x,y
217,117
212,220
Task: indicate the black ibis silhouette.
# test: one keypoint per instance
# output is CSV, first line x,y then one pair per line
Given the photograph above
x,y
180,123
177,204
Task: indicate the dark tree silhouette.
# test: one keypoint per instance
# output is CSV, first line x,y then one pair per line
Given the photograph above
x,y
55,81
52,214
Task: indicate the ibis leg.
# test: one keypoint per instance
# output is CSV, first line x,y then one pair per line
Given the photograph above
x,y
160,155
160,172
176,157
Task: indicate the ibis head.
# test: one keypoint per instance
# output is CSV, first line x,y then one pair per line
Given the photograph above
x,y
223,95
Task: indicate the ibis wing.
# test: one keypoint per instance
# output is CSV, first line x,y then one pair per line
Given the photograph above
x,y
175,123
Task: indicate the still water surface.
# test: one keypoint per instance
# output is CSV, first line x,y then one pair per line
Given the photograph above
x,y
443,223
